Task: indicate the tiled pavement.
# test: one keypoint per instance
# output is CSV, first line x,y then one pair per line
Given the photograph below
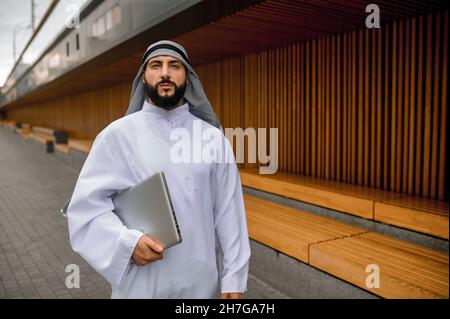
x,y
34,243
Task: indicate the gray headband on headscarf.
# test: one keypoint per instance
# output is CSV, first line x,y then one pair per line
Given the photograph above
x,y
194,94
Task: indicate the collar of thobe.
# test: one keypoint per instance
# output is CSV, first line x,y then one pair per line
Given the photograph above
x,y
170,115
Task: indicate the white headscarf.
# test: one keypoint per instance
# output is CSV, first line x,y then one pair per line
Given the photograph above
x,y
194,94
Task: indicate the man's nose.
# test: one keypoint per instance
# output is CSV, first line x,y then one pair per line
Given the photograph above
x,y
165,71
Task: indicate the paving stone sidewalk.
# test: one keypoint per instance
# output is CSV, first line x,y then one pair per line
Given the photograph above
x,y
34,242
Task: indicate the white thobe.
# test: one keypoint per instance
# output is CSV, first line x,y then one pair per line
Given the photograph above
x,y
207,199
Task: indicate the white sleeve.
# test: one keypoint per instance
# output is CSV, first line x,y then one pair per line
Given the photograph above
x,y
96,233
231,226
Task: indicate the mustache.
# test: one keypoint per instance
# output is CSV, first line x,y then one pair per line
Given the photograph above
x,y
166,82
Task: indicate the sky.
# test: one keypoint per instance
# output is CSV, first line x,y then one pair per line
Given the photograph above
x,y
16,13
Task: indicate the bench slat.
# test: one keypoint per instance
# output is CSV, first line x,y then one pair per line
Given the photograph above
x,y
24,132
417,220
43,130
44,139
428,253
409,275
356,206
289,230
419,203
41,138
403,263
291,215
64,148
80,145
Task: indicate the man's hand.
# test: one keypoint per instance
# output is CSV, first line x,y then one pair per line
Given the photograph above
x,y
146,251
232,295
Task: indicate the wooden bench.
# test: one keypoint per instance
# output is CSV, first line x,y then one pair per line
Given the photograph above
x,y
289,230
427,216
83,146
64,148
48,137
24,130
58,136
9,124
406,270
80,145
44,139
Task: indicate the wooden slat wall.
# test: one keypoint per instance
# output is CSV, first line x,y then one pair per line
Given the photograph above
x,y
367,107
83,115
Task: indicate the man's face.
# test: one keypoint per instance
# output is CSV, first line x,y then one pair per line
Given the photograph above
x,y
165,79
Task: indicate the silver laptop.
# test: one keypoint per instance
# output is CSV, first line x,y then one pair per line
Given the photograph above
x,y
147,207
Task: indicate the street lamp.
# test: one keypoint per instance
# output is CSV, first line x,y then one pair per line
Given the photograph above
x,y
21,27
17,28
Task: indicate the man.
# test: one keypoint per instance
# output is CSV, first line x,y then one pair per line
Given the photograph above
x,y
207,197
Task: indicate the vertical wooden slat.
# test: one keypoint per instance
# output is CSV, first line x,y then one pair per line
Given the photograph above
x,y
339,92
274,89
301,106
313,111
394,107
435,111
428,106
281,97
291,108
405,117
285,99
360,163
324,111
345,109
374,110
353,161
327,110
444,104
399,106
302,93
386,107
296,105
308,103
319,106
379,157
332,159
367,127
246,104
420,106
412,112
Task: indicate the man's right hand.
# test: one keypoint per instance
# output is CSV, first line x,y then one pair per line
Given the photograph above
x,y
146,251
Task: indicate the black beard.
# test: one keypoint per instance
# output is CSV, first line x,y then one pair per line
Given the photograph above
x,y
166,102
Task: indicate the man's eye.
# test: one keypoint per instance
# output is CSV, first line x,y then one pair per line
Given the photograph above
x,y
154,66
175,66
